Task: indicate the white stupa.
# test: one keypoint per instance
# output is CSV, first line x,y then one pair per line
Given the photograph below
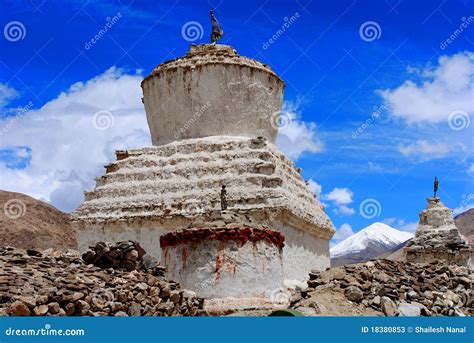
x,y
210,115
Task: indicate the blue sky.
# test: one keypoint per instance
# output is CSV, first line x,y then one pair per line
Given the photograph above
x,y
53,80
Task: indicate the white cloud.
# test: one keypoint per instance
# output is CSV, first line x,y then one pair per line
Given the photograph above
x,y
470,170
425,150
341,196
315,187
296,137
7,93
344,210
443,89
408,227
345,231
67,150
401,224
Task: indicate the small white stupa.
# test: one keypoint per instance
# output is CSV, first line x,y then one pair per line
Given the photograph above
x,y
437,238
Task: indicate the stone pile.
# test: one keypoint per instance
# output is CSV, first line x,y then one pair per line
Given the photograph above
x,y
439,245
398,288
61,284
127,255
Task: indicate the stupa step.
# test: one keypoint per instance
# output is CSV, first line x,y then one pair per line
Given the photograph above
x,y
150,187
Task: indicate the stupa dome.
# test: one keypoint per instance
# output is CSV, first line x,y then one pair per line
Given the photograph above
x,y
212,91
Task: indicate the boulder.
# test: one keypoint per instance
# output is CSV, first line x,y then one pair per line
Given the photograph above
x,y
354,294
412,309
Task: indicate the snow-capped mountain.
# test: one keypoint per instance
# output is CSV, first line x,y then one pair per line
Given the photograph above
x,y
370,242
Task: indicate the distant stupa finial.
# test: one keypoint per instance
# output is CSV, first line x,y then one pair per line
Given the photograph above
x,y
435,186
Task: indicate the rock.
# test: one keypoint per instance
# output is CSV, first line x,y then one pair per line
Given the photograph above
x,y
70,309
314,283
82,307
412,295
76,296
410,309
141,286
307,311
388,306
40,310
165,291
382,277
369,264
187,294
175,297
42,299
376,300
126,255
150,262
135,310
132,255
54,308
29,301
121,314
338,274
458,313
450,295
18,308
354,294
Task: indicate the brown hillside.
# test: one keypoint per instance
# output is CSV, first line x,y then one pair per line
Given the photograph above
x,y
465,224
28,223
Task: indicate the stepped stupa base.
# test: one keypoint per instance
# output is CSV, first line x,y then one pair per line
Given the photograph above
x,y
149,192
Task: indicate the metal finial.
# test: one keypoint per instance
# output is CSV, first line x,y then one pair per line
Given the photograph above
x,y
217,31
223,198
435,186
